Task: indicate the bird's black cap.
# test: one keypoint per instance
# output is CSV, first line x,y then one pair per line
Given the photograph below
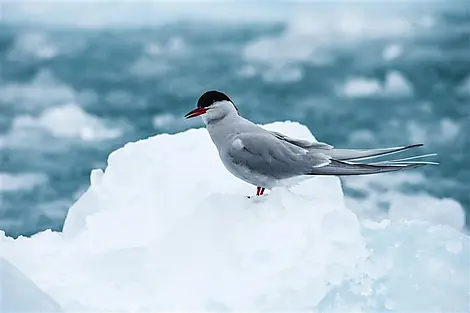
x,y
210,97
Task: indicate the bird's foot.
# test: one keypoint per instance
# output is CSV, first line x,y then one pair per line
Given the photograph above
x,y
259,192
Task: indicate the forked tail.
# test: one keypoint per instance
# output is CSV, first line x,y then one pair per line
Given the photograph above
x,y
343,162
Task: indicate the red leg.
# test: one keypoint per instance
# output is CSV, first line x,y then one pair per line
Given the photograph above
x,y
258,191
262,191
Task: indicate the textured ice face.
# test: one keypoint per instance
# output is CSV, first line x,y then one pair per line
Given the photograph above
x,y
166,227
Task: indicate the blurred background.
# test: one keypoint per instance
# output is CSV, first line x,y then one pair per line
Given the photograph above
x,y
80,79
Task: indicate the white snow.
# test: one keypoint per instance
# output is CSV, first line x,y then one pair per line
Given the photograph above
x,y
67,121
166,228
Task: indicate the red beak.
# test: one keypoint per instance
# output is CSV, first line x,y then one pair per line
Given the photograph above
x,y
196,112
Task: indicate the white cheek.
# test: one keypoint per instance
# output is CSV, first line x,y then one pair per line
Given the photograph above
x,y
212,113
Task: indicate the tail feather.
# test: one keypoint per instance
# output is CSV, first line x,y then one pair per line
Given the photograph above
x,y
409,158
342,168
364,154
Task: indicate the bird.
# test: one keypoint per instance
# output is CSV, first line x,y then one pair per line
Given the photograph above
x,y
269,159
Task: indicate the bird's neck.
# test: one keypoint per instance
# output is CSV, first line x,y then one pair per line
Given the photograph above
x,y
221,130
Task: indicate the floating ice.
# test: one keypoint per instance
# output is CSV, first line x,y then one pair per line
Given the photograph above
x,y
32,44
383,198
149,66
68,121
425,207
167,122
397,85
316,32
464,87
156,59
361,87
283,74
23,181
445,132
43,90
247,71
394,85
166,227
392,52
361,136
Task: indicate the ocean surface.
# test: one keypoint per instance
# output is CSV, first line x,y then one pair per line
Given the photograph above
x,y
363,78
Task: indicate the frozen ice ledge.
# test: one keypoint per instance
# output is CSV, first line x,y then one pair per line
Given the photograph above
x,y
166,227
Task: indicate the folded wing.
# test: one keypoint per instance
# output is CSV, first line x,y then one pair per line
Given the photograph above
x,y
264,154
280,156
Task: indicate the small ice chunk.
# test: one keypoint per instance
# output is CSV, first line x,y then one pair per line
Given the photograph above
x,y
395,85
95,176
392,52
361,87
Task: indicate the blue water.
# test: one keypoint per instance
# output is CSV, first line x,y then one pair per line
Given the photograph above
x,y
126,83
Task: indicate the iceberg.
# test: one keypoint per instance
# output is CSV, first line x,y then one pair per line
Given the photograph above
x,y
166,227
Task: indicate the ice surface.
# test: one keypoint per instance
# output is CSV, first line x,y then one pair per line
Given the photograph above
x,y
383,198
19,294
166,227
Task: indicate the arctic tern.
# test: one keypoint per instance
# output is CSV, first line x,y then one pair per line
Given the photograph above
x,y
269,159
